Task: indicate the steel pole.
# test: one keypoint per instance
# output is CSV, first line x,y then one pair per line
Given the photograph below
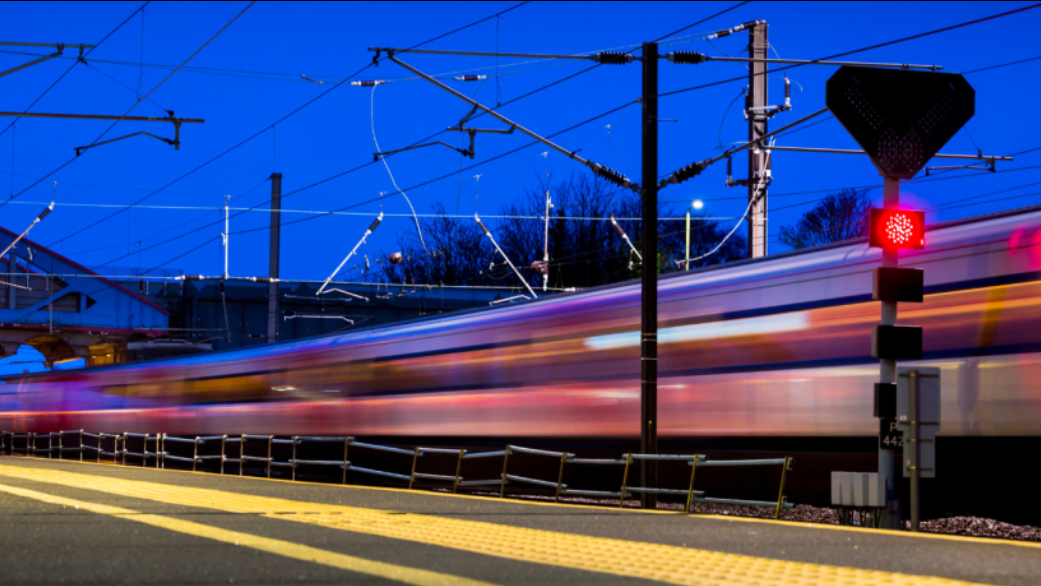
x,y
686,248
916,455
274,249
649,277
758,161
887,461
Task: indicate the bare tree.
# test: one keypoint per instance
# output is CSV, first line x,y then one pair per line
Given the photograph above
x,y
840,216
585,250
458,254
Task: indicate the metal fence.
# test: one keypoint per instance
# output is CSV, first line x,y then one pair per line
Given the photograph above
x,y
201,450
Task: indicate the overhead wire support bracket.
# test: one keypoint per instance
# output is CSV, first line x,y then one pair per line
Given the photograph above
x,y
464,152
618,228
10,246
604,57
696,58
60,49
508,261
605,172
472,132
695,169
976,157
177,122
370,230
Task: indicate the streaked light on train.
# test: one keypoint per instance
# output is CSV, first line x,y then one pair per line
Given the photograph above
x,y
752,326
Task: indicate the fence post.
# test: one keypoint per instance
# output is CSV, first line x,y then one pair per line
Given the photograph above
x,y
505,461
223,453
81,445
124,448
560,477
242,453
780,493
415,459
458,469
195,455
346,462
269,441
100,437
50,445
294,456
690,491
625,479
61,444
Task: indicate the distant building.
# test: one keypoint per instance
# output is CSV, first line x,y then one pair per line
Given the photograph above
x,y
67,311
201,314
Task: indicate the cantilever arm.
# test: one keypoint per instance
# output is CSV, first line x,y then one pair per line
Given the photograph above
x,y
597,168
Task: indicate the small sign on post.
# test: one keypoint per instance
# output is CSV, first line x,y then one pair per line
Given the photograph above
x,y
918,417
923,414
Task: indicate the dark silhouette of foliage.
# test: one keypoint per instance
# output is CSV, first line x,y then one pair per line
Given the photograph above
x,y
840,216
584,250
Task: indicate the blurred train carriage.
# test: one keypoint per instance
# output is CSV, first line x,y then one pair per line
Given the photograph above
x,y
776,349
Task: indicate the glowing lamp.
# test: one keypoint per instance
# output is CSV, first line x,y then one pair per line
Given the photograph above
x,y
895,229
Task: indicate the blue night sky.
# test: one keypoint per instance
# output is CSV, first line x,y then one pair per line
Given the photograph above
x,y
250,77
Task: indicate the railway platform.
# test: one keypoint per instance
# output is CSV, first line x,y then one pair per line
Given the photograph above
x,y
71,522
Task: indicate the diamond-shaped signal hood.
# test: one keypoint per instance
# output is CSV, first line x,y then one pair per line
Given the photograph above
x,y
900,118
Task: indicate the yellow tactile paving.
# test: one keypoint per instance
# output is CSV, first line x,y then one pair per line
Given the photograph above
x,y
664,563
276,546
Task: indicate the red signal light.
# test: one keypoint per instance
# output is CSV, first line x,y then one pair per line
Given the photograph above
x,y
895,229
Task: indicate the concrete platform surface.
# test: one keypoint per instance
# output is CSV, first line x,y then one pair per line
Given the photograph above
x,y
75,523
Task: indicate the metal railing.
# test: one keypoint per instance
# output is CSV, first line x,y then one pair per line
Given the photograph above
x,y
692,460
299,445
782,501
144,454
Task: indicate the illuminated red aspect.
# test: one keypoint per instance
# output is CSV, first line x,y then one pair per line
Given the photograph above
x,y
894,229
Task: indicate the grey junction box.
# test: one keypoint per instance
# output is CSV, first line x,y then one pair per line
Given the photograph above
x,y
928,416
858,489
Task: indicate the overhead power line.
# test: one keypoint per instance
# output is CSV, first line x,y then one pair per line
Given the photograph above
x,y
862,49
69,70
135,104
277,122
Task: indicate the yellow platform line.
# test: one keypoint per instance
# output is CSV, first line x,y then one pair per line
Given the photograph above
x,y
613,509
664,563
275,546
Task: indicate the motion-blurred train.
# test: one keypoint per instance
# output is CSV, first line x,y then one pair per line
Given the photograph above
x,y
769,348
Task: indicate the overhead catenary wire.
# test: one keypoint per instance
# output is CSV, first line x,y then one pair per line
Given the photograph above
x,y
135,104
280,120
372,119
523,96
862,49
73,66
266,128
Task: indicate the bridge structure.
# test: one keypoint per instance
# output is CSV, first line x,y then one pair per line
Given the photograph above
x,y
67,311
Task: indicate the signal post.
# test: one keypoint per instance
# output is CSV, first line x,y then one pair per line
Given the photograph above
x,y
901,119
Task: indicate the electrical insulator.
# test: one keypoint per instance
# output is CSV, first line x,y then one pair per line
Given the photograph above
x,y
736,29
470,77
612,58
691,170
896,229
617,228
612,176
686,57
396,258
368,82
787,94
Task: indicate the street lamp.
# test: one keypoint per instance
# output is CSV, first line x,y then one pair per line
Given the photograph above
x,y
697,205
